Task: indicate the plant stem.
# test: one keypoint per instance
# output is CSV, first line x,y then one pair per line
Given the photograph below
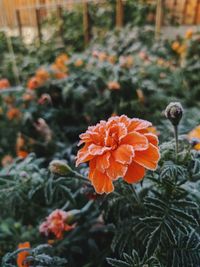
x,y
80,177
176,140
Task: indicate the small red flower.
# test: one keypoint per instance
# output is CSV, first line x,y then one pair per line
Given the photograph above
x,y
56,224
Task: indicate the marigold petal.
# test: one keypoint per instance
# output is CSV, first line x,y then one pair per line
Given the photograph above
x,y
134,173
83,155
124,154
137,140
152,138
96,150
101,182
148,158
102,162
116,169
138,124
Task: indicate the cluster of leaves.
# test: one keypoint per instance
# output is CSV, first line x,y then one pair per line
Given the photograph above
x,y
159,219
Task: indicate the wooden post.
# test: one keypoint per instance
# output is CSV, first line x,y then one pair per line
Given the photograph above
x,y
86,23
159,18
37,13
19,23
196,12
60,15
184,11
119,13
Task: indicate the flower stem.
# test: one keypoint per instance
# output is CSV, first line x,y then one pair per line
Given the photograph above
x,y
176,140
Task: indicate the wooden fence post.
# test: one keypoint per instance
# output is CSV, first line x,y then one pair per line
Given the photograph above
x,y
159,18
197,9
119,13
37,13
184,11
86,23
60,15
19,23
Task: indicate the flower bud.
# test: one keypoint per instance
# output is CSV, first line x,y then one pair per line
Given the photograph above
x,y
59,167
174,112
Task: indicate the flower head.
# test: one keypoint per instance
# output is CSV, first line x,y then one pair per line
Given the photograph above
x,y
34,83
56,224
23,255
119,147
4,83
13,113
194,136
113,85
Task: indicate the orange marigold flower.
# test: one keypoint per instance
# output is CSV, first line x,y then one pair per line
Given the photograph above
x,y
56,224
60,75
13,113
4,83
175,45
34,83
182,49
112,59
6,160
22,154
102,56
42,74
195,135
113,85
126,61
78,63
21,257
188,34
119,147
28,96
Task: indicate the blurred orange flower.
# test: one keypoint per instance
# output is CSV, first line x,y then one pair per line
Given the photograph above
x,y
21,257
195,135
175,45
60,75
119,147
42,74
6,160
13,113
4,83
34,83
189,34
28,96
22,154
78,63
113,85
56,224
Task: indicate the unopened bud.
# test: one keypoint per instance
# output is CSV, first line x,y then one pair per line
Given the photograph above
x,y
59,167
174,112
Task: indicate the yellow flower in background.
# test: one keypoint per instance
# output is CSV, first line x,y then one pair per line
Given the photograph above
x,y
175,45
182,49
195,135
189,34
78,63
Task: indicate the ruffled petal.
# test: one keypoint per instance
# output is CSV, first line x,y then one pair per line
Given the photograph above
x,y
137,124
96,150
101,182
102,162
116,169
152,138
83,155
124,154
148,158
134,173
138,141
